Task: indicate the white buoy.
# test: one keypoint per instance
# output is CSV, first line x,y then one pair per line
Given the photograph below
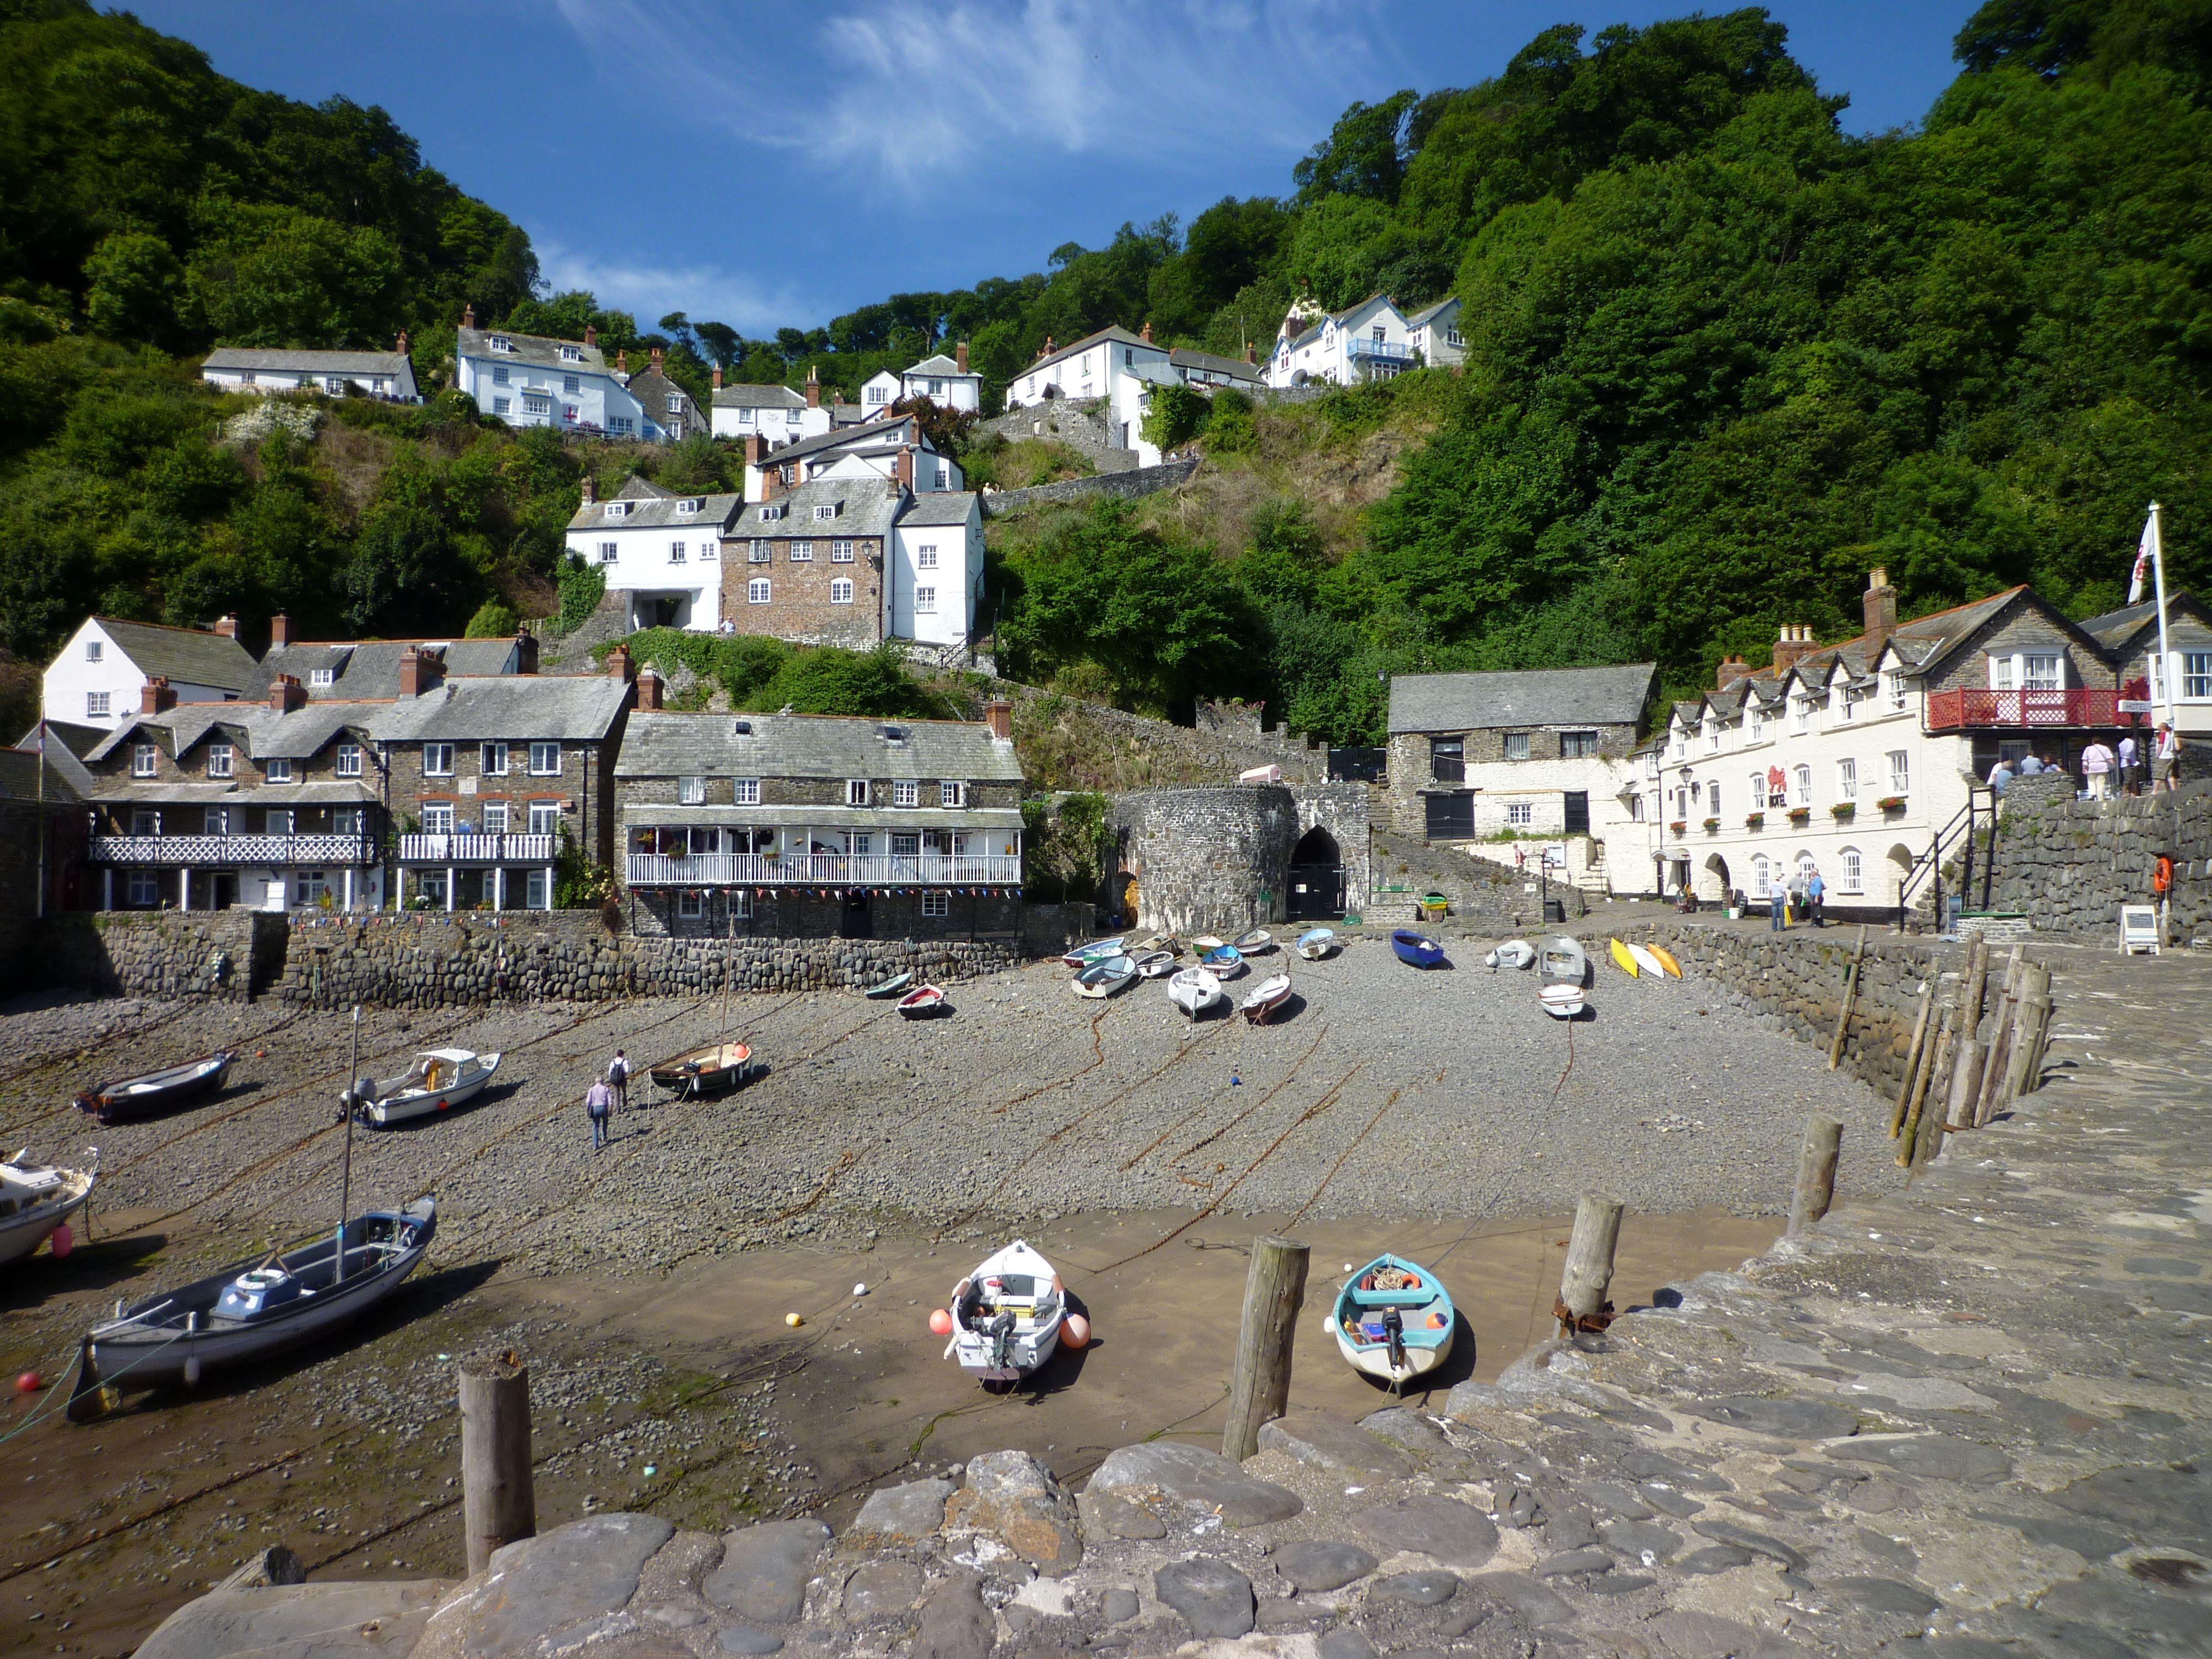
x,y
859,1290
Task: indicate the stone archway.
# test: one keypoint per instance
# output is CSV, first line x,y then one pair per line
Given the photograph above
x,y
1316,878
1716,867
1900,867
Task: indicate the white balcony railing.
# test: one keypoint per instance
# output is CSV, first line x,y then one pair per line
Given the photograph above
x,y
825,869
173,851
476,849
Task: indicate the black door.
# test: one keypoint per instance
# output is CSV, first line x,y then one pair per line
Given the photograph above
x,y
1317,890
1577,801
853,923
1451,817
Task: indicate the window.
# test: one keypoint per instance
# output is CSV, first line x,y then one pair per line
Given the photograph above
x,y
905,794
2001,675
802,552
572,354
2196,675
1901,772
215,821
1847,780
1756,718
572,385
675,552
841,552
502,405
536,893
1893,689
146,821
825,512
1452,338
760,552
144,891
95,704
1448,759
1577,745
756,591
1804,790
1759,874
943,475
1712,738
220,760
709,550
321,679
878,394
2044,671
346,821
774,512
544,760
1520,813
924,558
936,389
619,426
437,818
94,650
247,377
1801,714
279,822
857,842
924,601
856,791
905,846
499,374
951,793
690,904
1713,799
1758,796
675,402
1516,745
142,760
544,817
536,403
1851,878
746,791
1379,335
280,770
437,760
936,903
609,552
687,508
495,818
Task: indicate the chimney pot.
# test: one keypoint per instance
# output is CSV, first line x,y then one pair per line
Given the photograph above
x,y
1880,603
622,360
1146,332
1251,352
280,631
999,716
402,343
156,696
960,356
1732,669
718,377
469,315
656,357
226,626
1797,641
590,490
286,693
813,388
591,335
648,690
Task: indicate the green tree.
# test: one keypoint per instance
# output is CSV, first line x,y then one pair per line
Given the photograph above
x,y
137,288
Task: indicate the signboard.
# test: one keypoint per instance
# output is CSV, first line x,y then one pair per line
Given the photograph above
x,y
2138,929
2134,705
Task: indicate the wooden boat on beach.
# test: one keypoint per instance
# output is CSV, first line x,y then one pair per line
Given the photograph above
x,y
151,1093
1262,1001
1416,950
883,990
714,1070
1256,943
1155,965
1193,990
923,1002
36,1198
1562,999
1205,943
1394,1320
1225,963
1563,961
1084,955
440,1079
1316,943
1105,976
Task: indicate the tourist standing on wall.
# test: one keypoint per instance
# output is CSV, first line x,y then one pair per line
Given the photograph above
x,y
2165,760
2096,764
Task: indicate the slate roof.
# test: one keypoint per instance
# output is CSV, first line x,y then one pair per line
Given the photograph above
x,y
183,656
662,511
2117,629
79,740
639,487
1338,318
538,348
515,709
1427,314
1184,357
889,430
368,670
258,730
1114,332
757,396
651,389
866,507
813,746
944,367
311,362
18,777
1548,696
939,507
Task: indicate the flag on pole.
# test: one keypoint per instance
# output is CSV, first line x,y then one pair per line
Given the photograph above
x,y
2142,561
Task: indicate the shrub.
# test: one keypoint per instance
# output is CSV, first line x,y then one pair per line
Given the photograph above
x,y
582,586
1231,429
495,619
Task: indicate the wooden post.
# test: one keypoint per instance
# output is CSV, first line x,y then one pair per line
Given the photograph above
x,y
498,1503
2025,1075
1850,995
1974,989
1965,1055
2000,1049
1938,1056
1816,1172
1915,1052
1261,1388
1588,1273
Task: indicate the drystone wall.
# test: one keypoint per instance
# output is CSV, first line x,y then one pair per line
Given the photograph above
x,y
2069,865
1083,425
226,956
1126,486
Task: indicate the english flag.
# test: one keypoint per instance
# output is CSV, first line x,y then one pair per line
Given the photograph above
x,y
2144,550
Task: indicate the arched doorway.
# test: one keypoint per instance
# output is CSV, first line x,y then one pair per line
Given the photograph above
x,y
1316,888
1900,871
1716,867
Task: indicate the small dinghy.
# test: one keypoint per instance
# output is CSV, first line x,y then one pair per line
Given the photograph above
x,y
1562,961
1514,953
153,1092
1225,961
440,1079
1648,960
1623,958
1206,943
1256,943
1562,999
1416,950
1006,1315
883,990
1156,964
1316,943
1394,1320
923,1002
1195,990
251,1309
1263,999
36,1198
1667,961
1105,976
714,1070
1084,955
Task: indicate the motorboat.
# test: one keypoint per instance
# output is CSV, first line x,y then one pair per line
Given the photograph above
x,y
714,1070
1256,943
1195,990
1156,964
36,1198
1084,955
251,1309
883,990
1006,1315
1624,958
1262,1001
151,1093
923,1002
1648,960
439,1080
1316,943
1394,1320
1562,960
1225,961
1514,953
1104,977
1562,999
1416,950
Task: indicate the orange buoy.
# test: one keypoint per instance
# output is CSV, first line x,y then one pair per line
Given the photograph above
x,y
28,1382
1075,1331
1436,1322
940,1323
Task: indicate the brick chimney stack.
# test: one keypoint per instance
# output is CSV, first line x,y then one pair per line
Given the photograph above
x,y
904,467
402,343
618,663
656,360
591,336
280,631
1000,717
718,377
1732,669
1797,641
1146,332
226,627
813,387
1047,352
591,490
648,690
960,356
412,677
621,362
156,696
1881,603
1251,352
286,693
469,315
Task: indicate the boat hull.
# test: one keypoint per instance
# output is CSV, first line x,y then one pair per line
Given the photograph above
x,y
1667,960
412,1105
1034,1337
23,1234
1416,950
1422,1344
1265,999
1624,958
895,986
710,1071
1375,1361
121,1102
1193,990
924,1004
1647,962
1562,1001
1316,944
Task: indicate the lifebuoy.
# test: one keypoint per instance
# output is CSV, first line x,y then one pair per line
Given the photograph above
x,y
2161,877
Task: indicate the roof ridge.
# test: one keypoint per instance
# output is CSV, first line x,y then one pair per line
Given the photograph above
x,y
172,628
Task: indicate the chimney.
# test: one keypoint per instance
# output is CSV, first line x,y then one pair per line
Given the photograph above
x,y
960,356
1251,352
618,663
1797,641
414,678
1881,603
1732,669
648,690
591,336
1146,332
590,490
285,693
226,627
402,343
469,315
656,360
280,631
525,650
718,377
813,387
1000,717
157,696
621,362
1047,352
903,473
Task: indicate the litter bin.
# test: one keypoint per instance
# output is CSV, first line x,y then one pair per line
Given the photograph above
x,y
1555,910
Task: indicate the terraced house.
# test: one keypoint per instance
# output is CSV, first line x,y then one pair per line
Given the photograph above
x,y
805,824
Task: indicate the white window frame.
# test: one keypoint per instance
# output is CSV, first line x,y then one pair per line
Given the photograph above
x,y
437,760
675,402
906,793
609,551
924,601
1800,714
543,817
572,385
1759,871
841,552
1755,720
802,552
856,791
1517,740
1519,814
925,557
952,791
222,761
745,791
1801,785
492,759
279,769
690,904
502,406
94,650
97,704
346,762
936,901
676,550
757,591
690,792
1901,772
827,511
144,759
840,591
546,760
1894,685
1850,871
322,679
2196,676
616,510
1847,780
2043,671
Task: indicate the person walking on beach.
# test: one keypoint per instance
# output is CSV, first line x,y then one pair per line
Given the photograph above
x,y
619,1079
599,1104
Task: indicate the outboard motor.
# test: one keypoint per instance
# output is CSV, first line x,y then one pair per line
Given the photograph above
x,y
1393,1333
1000,1330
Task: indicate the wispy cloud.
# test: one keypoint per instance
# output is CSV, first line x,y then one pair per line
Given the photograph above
x,y
651,292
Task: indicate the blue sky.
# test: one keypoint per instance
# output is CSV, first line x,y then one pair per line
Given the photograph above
x,y
765,164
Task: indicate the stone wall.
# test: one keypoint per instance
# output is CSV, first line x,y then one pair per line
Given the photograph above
x,y
1084,425
1138,481
2069,865
1341,810
1071,744
227,955
1208,860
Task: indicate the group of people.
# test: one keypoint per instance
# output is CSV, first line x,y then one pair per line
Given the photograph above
x,y
1805,895
607,1096
2104,768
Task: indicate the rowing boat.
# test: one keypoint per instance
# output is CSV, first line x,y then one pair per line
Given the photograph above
x,y
1562,999
440,1079
35,1198
1084,955
151,1092
1394,1320
883,990
1193,990
923,1002
1006,1315
1256,943
1316,943
1225,963
1156,964
1105,976
712,1070
1262,1001
1416,950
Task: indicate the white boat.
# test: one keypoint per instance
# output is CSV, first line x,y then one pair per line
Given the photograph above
x,y
1645,960
1256,943
440,1079
1563,962
1105,976
1084,955
1206,943
1156,964
36,1198
1562,999
1394,1320
1514,953
1193,990
1006,1314
1316,943
1263,999
1225,961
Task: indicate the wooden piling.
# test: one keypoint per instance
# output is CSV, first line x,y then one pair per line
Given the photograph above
x,y
1816,1172
1588,1273
1915,1053
1973,991
1850,995
1259,1388
2031,1031
2000,1050
499,1503
1938,1056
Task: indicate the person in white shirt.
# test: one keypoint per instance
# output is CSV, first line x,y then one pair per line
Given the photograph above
x,y
2130,767
2166,759
2097,770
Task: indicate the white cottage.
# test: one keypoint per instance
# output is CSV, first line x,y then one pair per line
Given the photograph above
x,y
1371,341
529,380
100,675
386,375
659,550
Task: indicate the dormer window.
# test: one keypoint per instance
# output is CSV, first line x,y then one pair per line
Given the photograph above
x,y
144,757
322,679
499,343
826,512
770,513
618,509
894,734
280,770
687,507
572,354
741,728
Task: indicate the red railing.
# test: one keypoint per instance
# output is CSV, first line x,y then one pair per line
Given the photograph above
x,y
2082,706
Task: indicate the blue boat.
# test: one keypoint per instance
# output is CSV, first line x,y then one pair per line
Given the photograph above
x,y
1097,951
1226,963
1394,1320
1416,950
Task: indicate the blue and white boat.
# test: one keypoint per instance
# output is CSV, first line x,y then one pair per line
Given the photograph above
x,y
1394,1320
1416,950
1316,943
1097,951
1225,961
1105,976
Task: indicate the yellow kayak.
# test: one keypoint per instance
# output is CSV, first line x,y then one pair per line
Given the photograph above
x,y
1623,958
1666,960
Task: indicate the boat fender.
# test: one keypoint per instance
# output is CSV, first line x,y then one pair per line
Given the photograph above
x,y
191,1371
28,1382
1436,1322
940,1323
1075,1332
794,1319
63,1241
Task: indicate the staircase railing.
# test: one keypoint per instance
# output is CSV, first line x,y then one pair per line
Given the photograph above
x,y
1927,870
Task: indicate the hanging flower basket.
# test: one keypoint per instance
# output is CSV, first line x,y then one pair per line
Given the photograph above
x,y
1843,810
1712,826
1891,803
1679,825
1800,815
1754,821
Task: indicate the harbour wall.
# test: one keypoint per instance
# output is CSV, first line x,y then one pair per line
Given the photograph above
x,y
2069,865
223,955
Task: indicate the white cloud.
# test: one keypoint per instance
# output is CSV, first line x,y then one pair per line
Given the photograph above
x,y
650,292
